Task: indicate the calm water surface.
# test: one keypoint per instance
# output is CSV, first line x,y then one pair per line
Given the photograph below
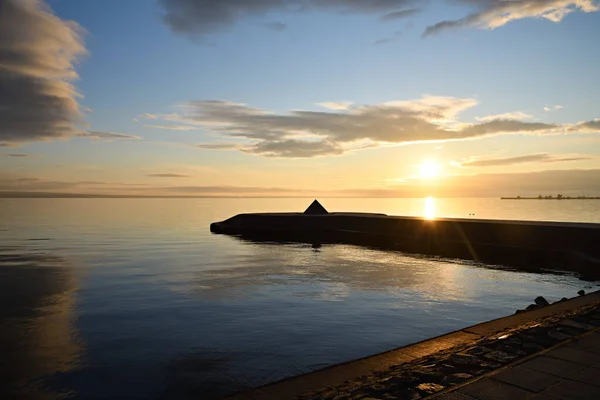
x,y
135,299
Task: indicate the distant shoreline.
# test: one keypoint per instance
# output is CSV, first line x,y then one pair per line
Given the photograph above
x,y
550,198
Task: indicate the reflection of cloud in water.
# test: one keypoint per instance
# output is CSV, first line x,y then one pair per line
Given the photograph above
x,y
331,273
36,327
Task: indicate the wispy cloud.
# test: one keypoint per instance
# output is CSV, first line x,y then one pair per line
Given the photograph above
x,y
198,18
397,35
474,185
275,26
402,14
16,155
346,127
169,176
492,14
218,146
172,127
530,158
108,136
38,53
516,115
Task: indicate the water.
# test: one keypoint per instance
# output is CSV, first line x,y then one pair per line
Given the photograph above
x,y
135,299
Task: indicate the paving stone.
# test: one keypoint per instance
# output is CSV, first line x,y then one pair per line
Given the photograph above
x,y
553,366
489,389
590,376
576,324
574,355
587,343
528,379
540,396
571,390
454,396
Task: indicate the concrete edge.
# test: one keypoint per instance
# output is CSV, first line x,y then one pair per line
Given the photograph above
x,y
337,374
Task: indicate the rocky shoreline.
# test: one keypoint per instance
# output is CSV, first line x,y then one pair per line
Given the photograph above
x,y
429,375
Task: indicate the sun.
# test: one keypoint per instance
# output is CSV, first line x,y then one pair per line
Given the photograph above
x,y
430,169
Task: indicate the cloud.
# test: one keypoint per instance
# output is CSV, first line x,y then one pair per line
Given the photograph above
x,y
218,146
149,116
541,158
569,182
586,127
492,14
198,18
108,136
38,51
381,41
169,176
173,127
558,107
517,115
17,155
346,127
336,105
396,15
295,149
548,109
275,26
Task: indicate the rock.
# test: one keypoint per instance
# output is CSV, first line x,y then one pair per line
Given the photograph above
x,y
447,368
563,299
430,388
455,379
581,292
531,348
519,311
406,394
558,334
540,301
501,356
434,377
490,365
531,307
463,359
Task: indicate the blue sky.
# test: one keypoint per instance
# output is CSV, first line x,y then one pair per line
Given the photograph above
x,y
517,100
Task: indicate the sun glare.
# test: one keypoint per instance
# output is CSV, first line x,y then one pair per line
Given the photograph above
x,y
429,208
430,169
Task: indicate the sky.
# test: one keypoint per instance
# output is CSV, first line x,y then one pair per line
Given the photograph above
x,y
361,98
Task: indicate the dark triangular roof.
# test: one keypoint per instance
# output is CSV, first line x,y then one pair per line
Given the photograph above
x,y
316,208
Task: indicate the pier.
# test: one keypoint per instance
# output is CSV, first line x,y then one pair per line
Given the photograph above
x,y
523,245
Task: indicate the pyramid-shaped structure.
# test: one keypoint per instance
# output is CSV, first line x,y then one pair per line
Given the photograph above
x,y
316,208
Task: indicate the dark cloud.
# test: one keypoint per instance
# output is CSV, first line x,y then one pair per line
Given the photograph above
x,y
37,55
201,17
108,136
491,14
396,15
543,158
275,26
351,127
169,176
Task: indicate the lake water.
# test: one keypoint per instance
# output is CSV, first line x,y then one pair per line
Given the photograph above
x,y
135,299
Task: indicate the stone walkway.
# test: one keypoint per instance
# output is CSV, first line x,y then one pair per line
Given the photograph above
x,y
568,372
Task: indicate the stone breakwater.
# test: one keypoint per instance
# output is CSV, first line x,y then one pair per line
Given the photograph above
x,y
429,375
531,246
